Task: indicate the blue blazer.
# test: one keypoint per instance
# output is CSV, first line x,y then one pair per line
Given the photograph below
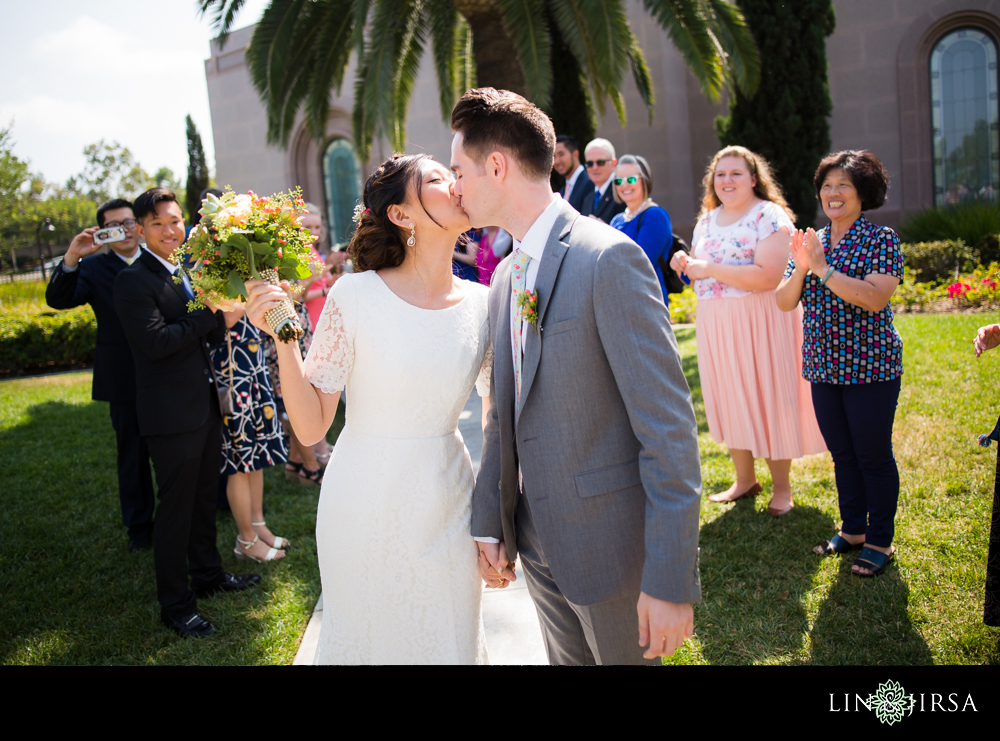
x,y
93,283
583,186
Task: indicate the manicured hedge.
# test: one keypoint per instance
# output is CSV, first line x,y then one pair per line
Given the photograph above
x,y
938,261
33,342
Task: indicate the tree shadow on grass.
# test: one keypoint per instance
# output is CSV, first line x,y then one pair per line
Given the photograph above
x,y
756,572
72,592
864,622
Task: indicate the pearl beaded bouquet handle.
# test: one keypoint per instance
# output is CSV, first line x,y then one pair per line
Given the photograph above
x,y
242,237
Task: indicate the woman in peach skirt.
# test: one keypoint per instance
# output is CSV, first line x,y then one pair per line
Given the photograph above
x,y
749,352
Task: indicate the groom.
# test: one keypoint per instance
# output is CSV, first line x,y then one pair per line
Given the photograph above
x,y
589,409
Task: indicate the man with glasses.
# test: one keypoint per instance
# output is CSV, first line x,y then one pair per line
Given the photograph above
x,y
77,281
600,162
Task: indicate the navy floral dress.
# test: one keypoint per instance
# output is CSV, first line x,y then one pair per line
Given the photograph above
x,y
843,343
252,438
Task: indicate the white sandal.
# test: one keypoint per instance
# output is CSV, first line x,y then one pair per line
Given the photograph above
x,y
242,546
279,542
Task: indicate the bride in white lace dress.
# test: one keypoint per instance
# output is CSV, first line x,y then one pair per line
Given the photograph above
x,y
398,564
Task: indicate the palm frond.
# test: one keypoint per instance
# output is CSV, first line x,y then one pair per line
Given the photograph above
x,y
223,16
640,73
687,26
409,51
444,19
360,19
524,21
741,60
466,59
329,63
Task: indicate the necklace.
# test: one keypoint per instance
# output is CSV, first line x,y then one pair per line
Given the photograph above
x,y
629,215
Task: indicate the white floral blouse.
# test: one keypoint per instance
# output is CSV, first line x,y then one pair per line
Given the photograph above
x,y
734,244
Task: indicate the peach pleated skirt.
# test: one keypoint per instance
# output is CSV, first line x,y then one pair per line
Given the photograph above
x,y
750,363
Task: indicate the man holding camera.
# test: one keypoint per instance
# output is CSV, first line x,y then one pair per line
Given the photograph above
x,y
76,282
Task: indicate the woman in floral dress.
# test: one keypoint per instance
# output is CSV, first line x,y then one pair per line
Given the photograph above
x,y
252,437
749,352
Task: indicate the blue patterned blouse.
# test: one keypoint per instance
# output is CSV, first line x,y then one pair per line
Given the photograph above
x,y
843,343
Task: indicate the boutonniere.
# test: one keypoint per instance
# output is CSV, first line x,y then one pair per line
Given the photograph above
x,y
527,303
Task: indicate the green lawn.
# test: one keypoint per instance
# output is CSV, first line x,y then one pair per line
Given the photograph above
x,y
73,595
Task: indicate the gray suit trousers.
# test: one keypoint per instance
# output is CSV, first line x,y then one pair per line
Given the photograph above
x,y
605,633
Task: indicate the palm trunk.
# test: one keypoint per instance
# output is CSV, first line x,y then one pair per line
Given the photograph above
x,y
497,64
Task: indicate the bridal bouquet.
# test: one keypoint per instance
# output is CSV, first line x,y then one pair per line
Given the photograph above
x,y
243,237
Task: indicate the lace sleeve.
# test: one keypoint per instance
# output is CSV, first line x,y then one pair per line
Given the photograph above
x,y
485,374
331,355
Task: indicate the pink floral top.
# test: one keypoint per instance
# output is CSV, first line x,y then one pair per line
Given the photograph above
x,y
734,244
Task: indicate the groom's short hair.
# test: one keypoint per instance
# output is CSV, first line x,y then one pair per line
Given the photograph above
x,y
491,120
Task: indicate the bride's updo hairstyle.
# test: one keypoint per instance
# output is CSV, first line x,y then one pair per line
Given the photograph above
x,y
377,242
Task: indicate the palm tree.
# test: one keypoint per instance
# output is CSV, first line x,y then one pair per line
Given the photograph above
x,y
300,51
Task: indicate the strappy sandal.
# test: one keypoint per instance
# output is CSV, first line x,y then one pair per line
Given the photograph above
x,y
242,546
279,542
837,544
873,560
311,478
292,470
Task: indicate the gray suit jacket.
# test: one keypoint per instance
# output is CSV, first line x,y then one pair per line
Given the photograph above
x,y
606,436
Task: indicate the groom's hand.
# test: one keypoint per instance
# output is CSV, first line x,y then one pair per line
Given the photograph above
x,y
494,567
663,625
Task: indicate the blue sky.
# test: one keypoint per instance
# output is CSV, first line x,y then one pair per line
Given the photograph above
x,y
83,70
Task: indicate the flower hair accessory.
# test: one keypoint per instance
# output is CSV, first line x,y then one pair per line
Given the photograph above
x,y
359,212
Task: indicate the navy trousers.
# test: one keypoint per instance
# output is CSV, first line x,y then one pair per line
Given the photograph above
x,y
856,422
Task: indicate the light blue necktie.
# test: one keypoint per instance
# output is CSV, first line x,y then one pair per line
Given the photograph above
x,y
184,284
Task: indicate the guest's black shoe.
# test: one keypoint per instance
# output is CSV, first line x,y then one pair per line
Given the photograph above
x,y
135,545
229,583
189,626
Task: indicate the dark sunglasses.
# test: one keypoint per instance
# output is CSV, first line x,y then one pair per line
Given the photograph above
x,y
597,163
128,223
631,180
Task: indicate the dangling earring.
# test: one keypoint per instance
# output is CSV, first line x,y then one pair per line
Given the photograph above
x,y
412,240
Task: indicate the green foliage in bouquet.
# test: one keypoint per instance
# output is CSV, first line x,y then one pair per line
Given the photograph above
x,y
239,237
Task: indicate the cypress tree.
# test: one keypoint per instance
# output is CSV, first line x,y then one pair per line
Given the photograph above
x,y
197,179
787,120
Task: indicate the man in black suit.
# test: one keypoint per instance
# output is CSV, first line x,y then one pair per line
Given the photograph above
x,y
566,161
178,412
76,282
601,161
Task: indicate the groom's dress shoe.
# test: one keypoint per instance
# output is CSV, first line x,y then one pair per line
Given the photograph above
x,y
229,583
189,626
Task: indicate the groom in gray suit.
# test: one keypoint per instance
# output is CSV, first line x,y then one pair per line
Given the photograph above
x,y
590,468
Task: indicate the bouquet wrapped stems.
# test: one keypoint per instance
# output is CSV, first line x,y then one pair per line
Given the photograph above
x,y
282,319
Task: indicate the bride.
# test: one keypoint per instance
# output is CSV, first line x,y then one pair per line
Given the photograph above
x,y
399,569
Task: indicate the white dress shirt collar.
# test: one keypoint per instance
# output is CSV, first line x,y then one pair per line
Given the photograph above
x,y
131,258
571,181
538,233
171,268
604,188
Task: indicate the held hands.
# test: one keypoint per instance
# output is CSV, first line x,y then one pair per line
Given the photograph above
x,y
81,246
987,338
664,626
494,567
261,298
681,262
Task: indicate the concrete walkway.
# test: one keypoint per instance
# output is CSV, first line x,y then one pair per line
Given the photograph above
x,y
512,633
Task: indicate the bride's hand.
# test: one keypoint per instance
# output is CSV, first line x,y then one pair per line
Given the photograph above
x,y
261,298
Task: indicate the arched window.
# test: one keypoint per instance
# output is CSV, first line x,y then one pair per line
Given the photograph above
x,y
964,117
342,182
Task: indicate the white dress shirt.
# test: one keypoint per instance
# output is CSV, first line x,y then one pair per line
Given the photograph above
x,y
604,188
127,260
571,181
173,270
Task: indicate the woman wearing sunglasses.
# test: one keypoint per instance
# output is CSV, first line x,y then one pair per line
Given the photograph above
x,y
645,223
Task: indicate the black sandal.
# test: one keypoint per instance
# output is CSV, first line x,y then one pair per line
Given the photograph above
x,y
292,473
837,544
874,561
310,478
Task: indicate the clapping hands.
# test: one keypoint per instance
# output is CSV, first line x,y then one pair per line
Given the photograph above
x,y
807,252
694,269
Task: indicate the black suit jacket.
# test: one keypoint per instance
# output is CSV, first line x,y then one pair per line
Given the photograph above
x,y
173,367
582,187
93,283
606,208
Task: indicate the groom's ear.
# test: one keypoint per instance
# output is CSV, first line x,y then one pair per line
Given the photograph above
x,y
497,165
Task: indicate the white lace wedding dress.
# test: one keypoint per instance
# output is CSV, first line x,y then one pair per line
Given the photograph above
x,y
399,567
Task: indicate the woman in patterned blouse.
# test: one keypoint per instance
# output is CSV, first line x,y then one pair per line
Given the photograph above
x,y
851,353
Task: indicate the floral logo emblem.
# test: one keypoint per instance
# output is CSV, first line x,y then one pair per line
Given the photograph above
x,y
890,702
